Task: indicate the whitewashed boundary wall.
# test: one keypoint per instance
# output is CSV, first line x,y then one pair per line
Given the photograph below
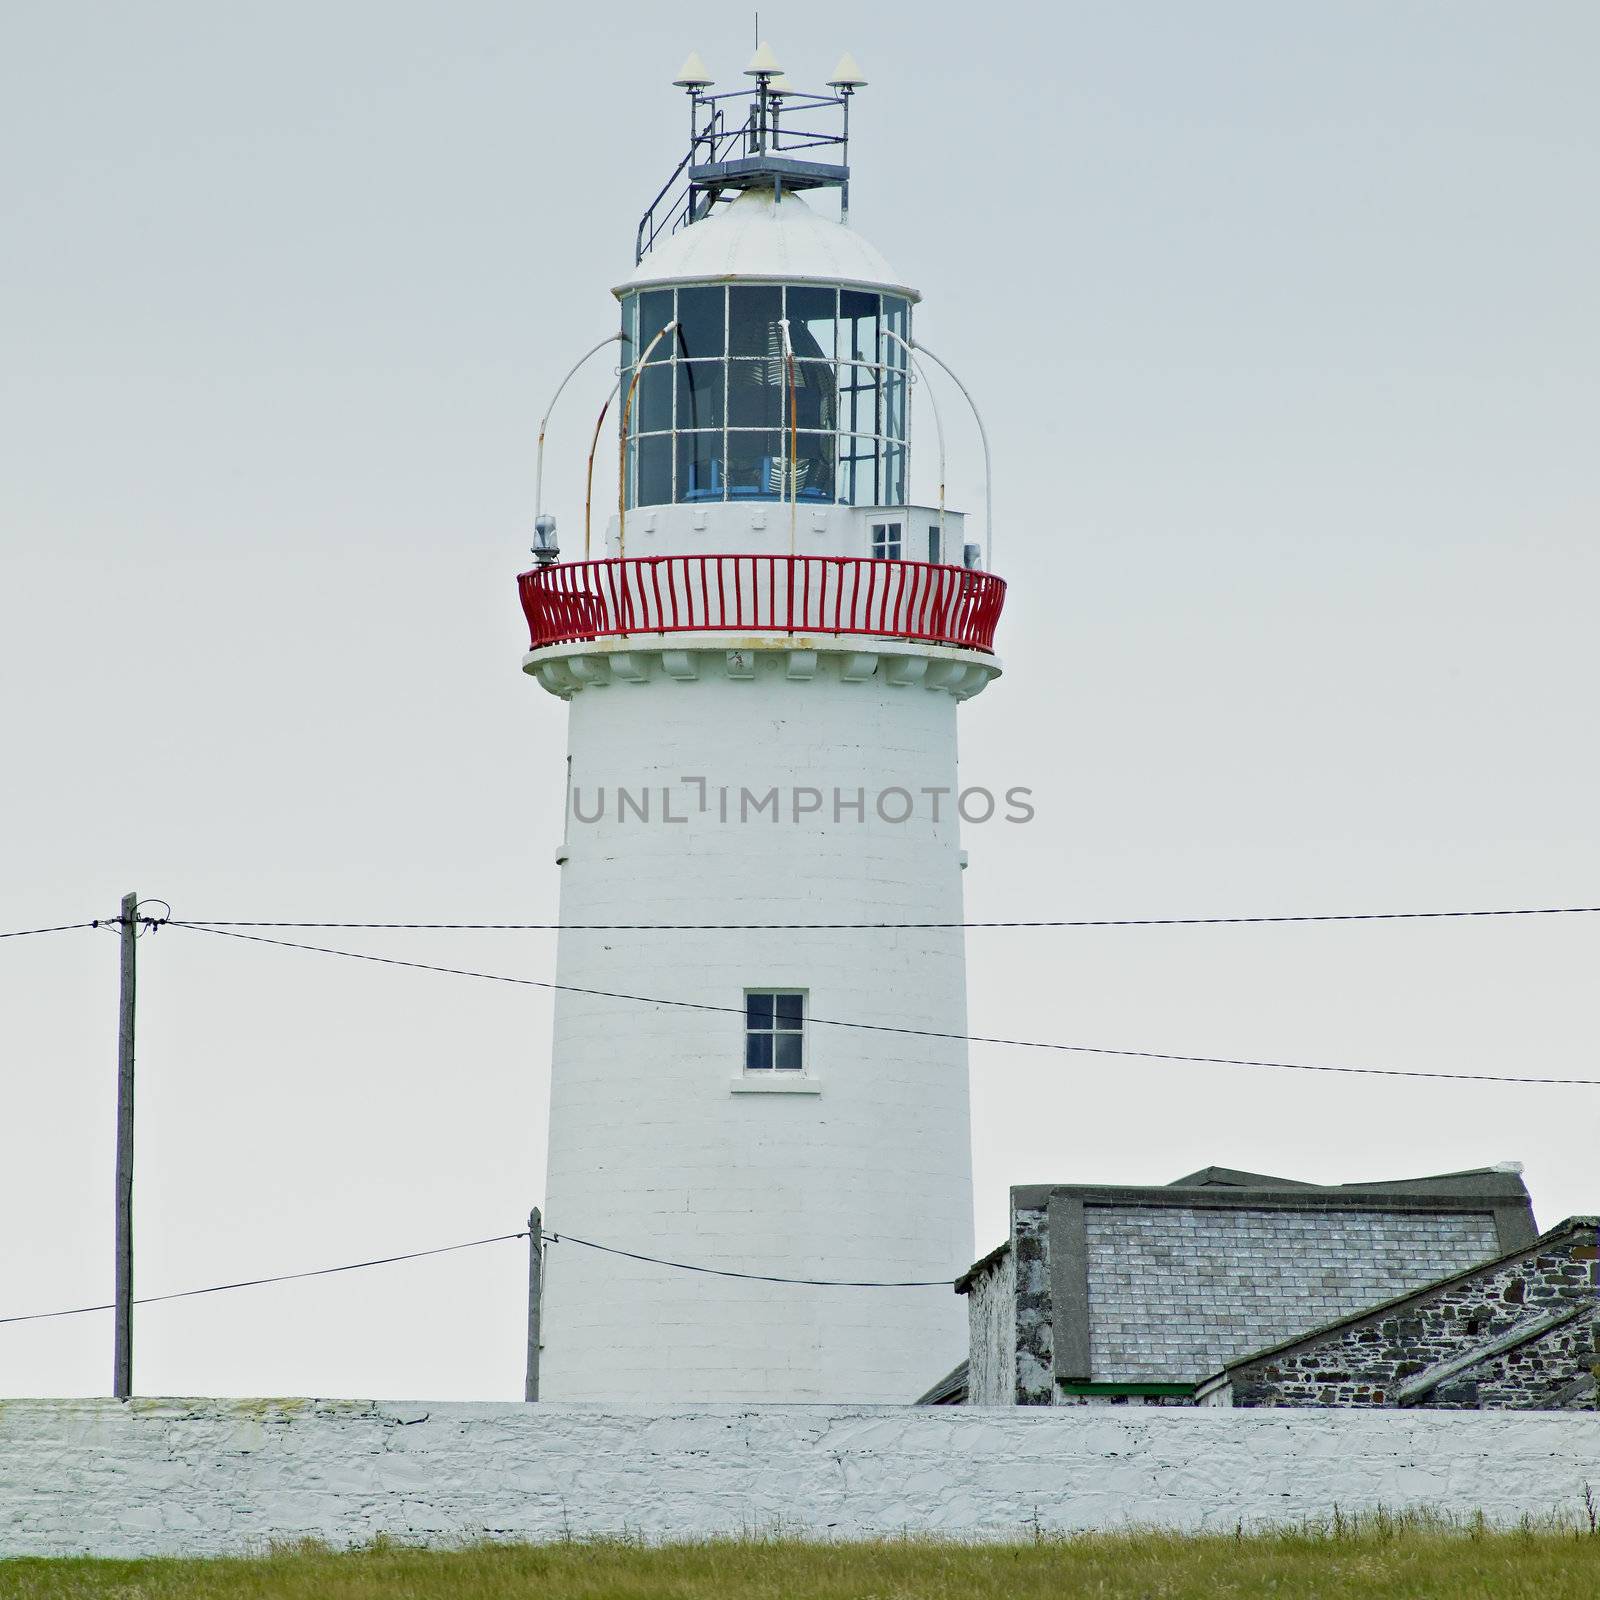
x,y
220,1476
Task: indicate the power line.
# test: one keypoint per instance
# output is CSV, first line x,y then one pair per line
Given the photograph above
x,y
758,1277
282,1277
881,1027
547,1236
60,927
832,927
756,927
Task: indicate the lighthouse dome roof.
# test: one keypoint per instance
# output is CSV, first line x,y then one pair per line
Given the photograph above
x,y
763,238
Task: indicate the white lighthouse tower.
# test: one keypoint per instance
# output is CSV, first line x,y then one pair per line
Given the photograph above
x,y
763,661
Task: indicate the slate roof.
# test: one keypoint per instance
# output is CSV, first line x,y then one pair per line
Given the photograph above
x,y
1415,1297
1168,1283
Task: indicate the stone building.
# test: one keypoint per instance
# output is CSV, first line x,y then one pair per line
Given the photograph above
x,y
1139,1295
1516,1334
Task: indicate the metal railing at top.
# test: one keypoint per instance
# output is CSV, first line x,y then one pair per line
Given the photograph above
x,y
856,595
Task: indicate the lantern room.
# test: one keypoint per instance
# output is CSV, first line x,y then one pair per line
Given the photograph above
x,y
749,389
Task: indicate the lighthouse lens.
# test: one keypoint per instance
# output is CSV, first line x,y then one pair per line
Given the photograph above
x,y
755,394
755,464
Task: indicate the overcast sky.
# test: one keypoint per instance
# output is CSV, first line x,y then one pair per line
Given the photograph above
x,y
1284,323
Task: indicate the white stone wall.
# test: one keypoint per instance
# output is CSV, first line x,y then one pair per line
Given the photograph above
x,y
992,1331
659,1142
215,1476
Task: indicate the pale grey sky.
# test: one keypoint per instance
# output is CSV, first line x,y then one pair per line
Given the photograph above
x,y
1284,322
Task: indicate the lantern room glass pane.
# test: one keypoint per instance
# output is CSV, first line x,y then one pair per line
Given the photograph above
x,y
897,319
700,394
815,457
655,312
812,314
702,473
858,326
630,329
857,473
893,478
650,463
702,327
894,405
755,394
858,398
755,465
652,400
815,393
753,315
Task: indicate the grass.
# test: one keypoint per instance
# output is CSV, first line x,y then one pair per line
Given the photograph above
x,y
1407,1558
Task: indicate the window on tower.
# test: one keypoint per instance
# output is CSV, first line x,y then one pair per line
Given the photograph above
x,y
886,541
765,390
774,1030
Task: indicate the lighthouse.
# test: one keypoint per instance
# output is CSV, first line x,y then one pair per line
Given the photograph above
x,y
759,1066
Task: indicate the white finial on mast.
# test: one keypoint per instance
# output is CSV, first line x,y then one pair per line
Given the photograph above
x,y
847,76
693,74
763,64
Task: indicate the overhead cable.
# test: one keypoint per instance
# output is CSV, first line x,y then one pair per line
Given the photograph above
x,y
758,1277
282,1277
883,1027
800,927
833,927
547,1236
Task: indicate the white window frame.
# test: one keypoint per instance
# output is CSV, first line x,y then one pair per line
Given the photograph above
x,y
775,1079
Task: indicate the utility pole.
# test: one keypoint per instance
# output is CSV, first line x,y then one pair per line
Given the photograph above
x,y
122,1374
530,1389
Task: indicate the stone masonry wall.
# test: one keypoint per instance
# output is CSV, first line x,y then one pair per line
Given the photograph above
x,y
1030,1250
216,1476
1546,1372
1360,1363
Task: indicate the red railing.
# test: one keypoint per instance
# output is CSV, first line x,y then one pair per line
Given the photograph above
x,y
574,600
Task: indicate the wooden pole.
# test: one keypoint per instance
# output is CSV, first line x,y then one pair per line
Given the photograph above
x,y
122,1372
530,1389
